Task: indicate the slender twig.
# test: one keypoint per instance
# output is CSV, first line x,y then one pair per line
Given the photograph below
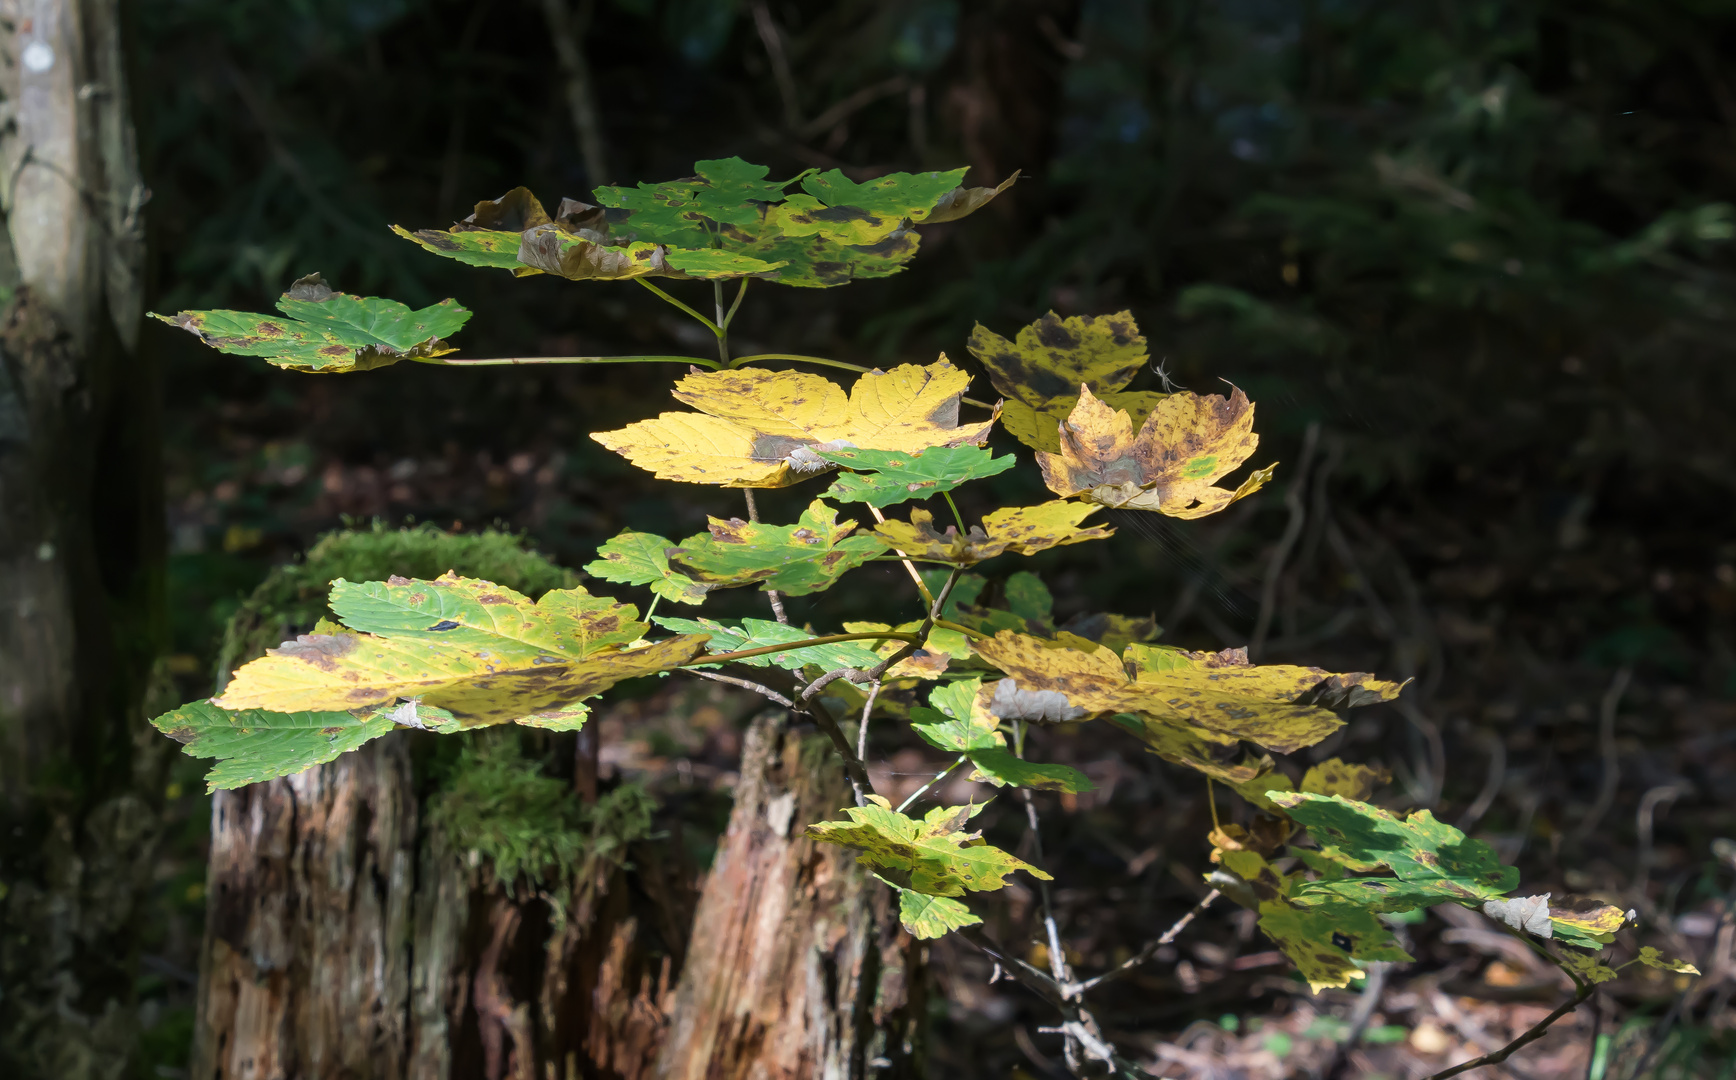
x,y
1531,1036
500,361
764,691
709,325
776,598
917,794
826,639
860,783
1607,709
736,305
1074,989
813,689
922,632
909,567
862,729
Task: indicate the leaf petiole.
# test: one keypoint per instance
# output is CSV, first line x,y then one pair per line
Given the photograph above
x,y
501,361
828,639
956,516
709,325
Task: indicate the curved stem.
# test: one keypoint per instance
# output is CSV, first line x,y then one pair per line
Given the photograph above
x,y
739,293
965,630
709,325
501,361
909,567
956,516
828,639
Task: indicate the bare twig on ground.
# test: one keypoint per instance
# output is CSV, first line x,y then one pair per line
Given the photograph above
x,y
1611,765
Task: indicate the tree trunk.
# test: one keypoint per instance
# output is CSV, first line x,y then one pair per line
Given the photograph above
x,y
345,939
80,546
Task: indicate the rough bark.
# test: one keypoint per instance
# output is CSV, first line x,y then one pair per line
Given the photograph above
x,y
797,967
344,939
80,545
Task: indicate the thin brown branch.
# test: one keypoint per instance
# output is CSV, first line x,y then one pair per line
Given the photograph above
x,y
764,691
1531,1036
1073,990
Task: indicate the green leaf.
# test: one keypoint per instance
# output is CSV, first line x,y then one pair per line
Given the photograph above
x,y
1432,861
636,558
1041,371
1001,767
1028,597
958,721
755,633
1588,967
1325,942
795,559
884,477
328,331
929,917
485,653
251,745
933,856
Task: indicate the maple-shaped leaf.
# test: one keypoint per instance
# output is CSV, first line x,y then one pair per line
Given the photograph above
x,y
1217,755
929,917
485,653
957,719
1326,941
1430,861
883,477
1588,929
515,233
755,633
1187,444
796,559
762,429
1337,777
726,221
1022,530
636,558
251,745
328,332
1040,372
933,856
1272,705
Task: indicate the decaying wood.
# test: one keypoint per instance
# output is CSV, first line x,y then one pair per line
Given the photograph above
x,y
796,967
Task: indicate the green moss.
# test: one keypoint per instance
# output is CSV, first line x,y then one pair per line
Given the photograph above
x,y
499,808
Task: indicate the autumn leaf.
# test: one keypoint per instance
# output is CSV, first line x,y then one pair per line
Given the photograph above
x,y
726,221
933,856
636,558
796,559
1218,756
1187,444
928,662
1337,777
1430,861
485,653
763,429
1652,958
1022,530
328,332
1041,371
1588,968
1028,608
756,633
884,477
1588,929
929,917
1271,705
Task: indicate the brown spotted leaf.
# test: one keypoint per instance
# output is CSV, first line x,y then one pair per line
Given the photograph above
x,y
328,332
1188,443
1022,530
796,559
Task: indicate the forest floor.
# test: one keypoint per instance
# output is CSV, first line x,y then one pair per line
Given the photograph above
x,y
1571,707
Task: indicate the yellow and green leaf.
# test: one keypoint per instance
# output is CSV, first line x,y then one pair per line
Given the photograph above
x,y
796,559
1021,530
765,429
636,558
884,477
933,856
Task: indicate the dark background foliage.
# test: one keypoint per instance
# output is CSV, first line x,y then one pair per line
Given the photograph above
x,y
1480,250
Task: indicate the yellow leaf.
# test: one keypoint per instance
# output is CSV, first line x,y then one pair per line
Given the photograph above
x,y
1188,443
1023,530
1276,706
1651,957
1336,777
1603,920
929,663
1038,427
758,428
